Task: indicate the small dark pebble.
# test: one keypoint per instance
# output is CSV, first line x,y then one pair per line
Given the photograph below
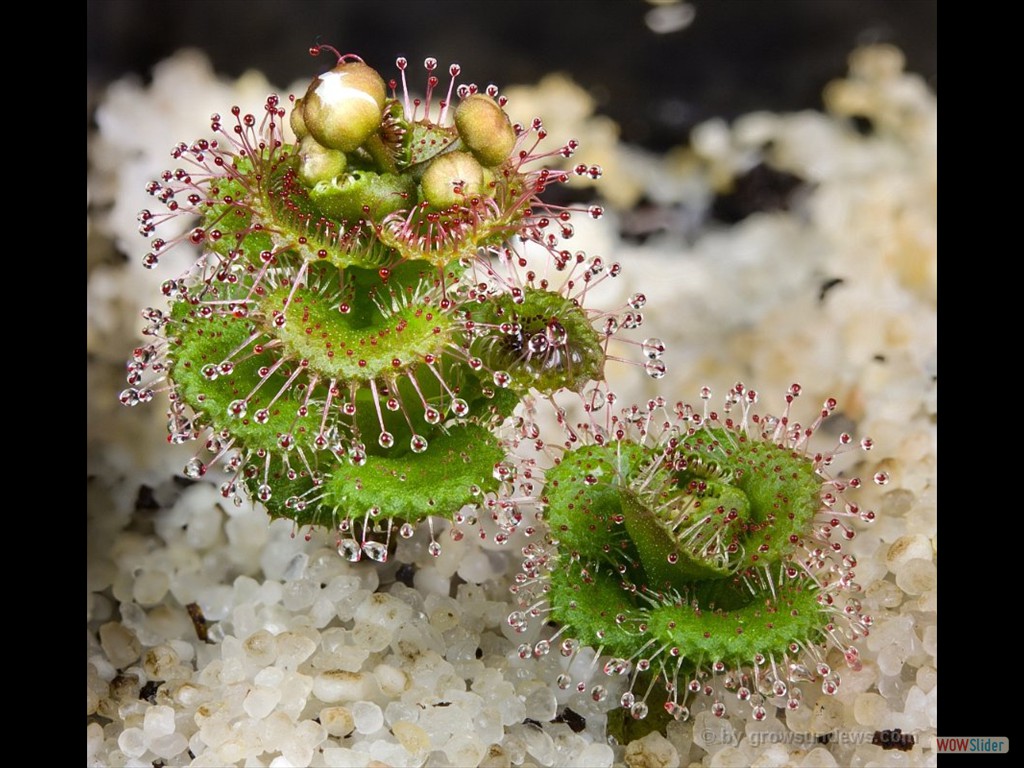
x,y
198,621
825,739
148,691
862,124
635,238
574,720
191,755
405,573
762,188
827,286
644,220
146,501
894,739
531,721
479,653
879,358
159,764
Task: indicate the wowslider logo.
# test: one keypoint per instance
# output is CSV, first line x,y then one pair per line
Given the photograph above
x,y
972,744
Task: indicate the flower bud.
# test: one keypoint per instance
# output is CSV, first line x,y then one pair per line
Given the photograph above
x,y
451,178
317,163
296,121
485,129
343,108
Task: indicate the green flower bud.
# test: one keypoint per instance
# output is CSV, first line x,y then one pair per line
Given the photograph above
x,y
318,163
451,178
297,122
485,129
343,108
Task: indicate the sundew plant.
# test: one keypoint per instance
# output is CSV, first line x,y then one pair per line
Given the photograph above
x,y
364,345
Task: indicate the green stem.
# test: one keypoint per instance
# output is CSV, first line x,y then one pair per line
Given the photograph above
x,y
381,154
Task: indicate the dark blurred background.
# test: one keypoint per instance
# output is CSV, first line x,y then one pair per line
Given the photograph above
x,y
711,57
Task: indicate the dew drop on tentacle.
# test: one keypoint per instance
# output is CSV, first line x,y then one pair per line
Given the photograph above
x,y
676,711
350,550
376,551
194,468
503,472
852,656
637,301
653,348
632,320
616,667
129,397
537,344
655,369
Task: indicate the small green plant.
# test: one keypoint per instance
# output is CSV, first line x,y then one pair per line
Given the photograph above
x,y
361,344
702,548
360,320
